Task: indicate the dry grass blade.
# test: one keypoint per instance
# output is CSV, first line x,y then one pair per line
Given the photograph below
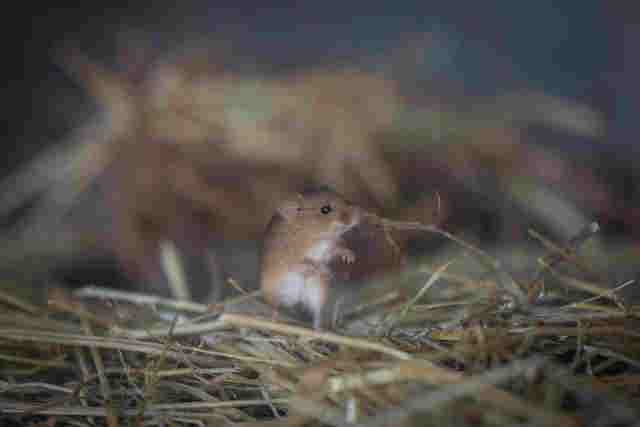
x,y
432,279
22,335
473,386
252,322
503,277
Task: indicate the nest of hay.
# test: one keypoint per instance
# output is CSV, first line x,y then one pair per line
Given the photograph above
x,y
462,349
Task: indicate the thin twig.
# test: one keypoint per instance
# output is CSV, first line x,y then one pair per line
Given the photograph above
x,y
252,322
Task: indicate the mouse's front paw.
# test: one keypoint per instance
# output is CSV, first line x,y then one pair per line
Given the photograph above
x,y
347,255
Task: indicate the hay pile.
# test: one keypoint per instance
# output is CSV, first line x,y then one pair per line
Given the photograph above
x,y
459,351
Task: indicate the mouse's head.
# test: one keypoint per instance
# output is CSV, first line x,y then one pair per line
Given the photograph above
x,y
322,211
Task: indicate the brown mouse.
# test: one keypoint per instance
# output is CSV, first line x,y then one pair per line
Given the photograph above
x,y
303,238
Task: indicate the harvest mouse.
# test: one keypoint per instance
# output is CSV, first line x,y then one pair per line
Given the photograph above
x,y
303,237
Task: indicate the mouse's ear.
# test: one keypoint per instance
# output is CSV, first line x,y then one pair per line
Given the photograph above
x,y
289,209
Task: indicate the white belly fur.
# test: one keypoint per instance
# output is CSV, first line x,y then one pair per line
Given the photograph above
x,y
308,290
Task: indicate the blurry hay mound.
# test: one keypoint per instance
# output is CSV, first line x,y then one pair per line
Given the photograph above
x,y
187,151
534,329
457,350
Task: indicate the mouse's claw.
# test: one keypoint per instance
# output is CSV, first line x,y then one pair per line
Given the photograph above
x,y
347,255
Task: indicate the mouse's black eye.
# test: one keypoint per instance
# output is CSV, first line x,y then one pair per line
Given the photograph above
x,y
326,209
